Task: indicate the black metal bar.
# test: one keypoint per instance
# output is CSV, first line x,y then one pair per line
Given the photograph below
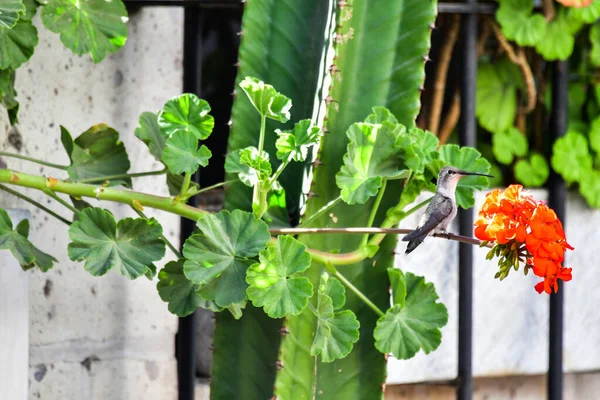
x,y
467,137
186,335
557,193
467,8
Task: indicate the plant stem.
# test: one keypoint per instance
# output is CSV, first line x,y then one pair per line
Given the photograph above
x,y
187,178
321,211
378,199
163,237
122,176
101,193
35,203
56,197
279,171
34,160
357,292
216,185
261,137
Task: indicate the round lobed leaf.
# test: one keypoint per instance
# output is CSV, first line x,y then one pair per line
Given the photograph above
x,y
187,113
558,43
294,145
588,14
131,245
96,27
274,281
267,101
10,12
519,24
217,258
17,44
404,330
589,186
182,154
149,132
533,172
571,157
250,167
508,144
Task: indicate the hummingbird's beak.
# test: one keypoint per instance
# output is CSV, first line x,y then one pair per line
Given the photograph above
x,y
465,173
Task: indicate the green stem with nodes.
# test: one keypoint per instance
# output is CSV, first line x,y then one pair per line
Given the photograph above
x,y
123,176
357,292
163,237
101,193
320,212
259,198
187,178
56,197
374,211
34,160
261,137
35,203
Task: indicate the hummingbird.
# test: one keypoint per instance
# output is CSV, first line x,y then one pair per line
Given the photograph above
x,y
442,209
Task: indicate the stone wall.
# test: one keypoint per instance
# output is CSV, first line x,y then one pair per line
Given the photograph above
x,y
103,338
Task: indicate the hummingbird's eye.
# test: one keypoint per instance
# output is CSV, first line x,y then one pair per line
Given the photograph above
x,y
450,172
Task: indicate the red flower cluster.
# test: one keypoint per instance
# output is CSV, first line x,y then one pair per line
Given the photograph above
x,y
527,231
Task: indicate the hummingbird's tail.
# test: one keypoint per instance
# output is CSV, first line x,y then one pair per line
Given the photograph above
x,y
413,244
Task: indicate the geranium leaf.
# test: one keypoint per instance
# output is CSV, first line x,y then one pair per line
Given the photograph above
x,y
96,27
595,135
404,330
131,245
533,172
148,131
277,215
31,7
508,144
17,44
97,153
175,289
267,101
10,12
419,148
558,43
217,258
571,157
182,154
496,100
398,285
469,159
372,154
588,15
336,332
294,145
519,24
274,281
334,289
589,186
21,248
187,113
9,94
595,41
250,167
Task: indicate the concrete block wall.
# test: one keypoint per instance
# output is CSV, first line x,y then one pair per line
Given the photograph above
x,y
96,338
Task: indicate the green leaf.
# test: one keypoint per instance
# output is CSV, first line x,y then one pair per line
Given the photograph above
x,y
187,113
294,145
9,94
17,44
10,12
334,289
182,154
595,135
31,7
148,131
250,167
588,15
21,248
404,330
277,215
275,283
266,100
558,43
508,144
398,285
218,257
519,24
96,153
420,148
589,186
336,332
571,157
496,97
371,156
131,245
595,41
175,182
175,289
96,27
469,159
533,172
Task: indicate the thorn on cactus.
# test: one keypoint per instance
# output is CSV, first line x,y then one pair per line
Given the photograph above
x,y
230,123
426,58
325,130
432,26
279,365
421,88
236,64
317,163
240,33
284,331
312,194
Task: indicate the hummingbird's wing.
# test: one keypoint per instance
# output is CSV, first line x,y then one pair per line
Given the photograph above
x,y
437,211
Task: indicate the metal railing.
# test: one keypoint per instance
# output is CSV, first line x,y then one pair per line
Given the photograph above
x,y
469,11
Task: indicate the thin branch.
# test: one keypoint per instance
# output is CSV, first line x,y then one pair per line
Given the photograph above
x,y
441,75
321,211
35,203
63,202
371,231
356,291
34,160
163,237
549,9
211,187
